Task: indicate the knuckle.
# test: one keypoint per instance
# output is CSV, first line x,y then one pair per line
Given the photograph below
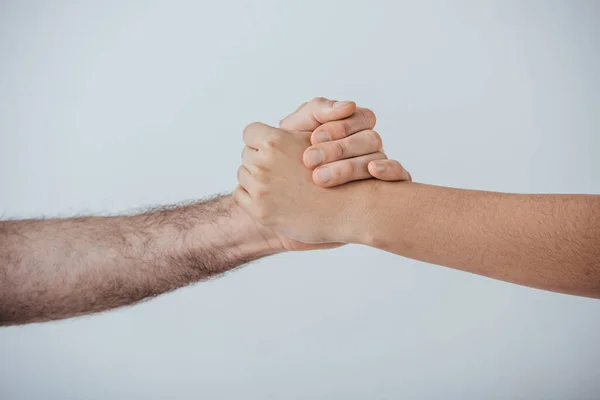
x,y
260,176
273,141
374,139
260,170
344,171
335,129
349,169
250,127
239,173
261,191
338,149
267,158
318,100
346,127
368,117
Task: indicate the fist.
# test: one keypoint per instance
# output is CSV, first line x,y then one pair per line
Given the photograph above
x,y
277,190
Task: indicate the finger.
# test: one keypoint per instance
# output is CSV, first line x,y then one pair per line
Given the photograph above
x,y
249,157
242,199
244,178
297,109
389,170
359,144
301,106
361,120
316,112
340,172
258,135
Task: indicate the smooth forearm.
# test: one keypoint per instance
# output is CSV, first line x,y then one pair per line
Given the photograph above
x,y
545,241
59,268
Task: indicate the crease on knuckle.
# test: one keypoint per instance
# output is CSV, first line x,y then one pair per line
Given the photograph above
x,y
338,150
346,128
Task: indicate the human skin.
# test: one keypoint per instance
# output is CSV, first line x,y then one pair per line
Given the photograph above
x,y
549,242
59,268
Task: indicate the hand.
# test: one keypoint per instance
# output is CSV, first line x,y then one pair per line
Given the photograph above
x,y
343,120
277,190
350,150
343,150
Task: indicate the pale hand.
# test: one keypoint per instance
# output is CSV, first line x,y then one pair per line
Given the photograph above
x,y
277,190
350,150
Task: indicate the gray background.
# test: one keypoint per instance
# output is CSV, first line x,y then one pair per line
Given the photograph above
x,y
109,106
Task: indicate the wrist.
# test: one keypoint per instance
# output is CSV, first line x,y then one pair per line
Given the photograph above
x,y
367,212
255,237
236,232
354,205
389,207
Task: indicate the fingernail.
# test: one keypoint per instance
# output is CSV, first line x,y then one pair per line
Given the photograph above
x,y
322,136
380,167
314,157
339,104
323,174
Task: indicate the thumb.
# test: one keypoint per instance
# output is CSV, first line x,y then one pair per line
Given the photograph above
x,y
315,113
389,170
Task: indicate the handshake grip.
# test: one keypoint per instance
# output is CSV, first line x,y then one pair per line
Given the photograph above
x,y
288,174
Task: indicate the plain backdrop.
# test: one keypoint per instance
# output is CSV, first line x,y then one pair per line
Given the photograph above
x,y
108,106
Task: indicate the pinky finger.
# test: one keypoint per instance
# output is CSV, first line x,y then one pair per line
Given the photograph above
x,y
389,170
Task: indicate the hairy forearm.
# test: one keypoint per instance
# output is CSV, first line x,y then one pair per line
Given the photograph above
x,y
545,241
59,268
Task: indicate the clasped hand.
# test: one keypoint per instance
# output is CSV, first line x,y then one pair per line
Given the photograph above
x,y
295,179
